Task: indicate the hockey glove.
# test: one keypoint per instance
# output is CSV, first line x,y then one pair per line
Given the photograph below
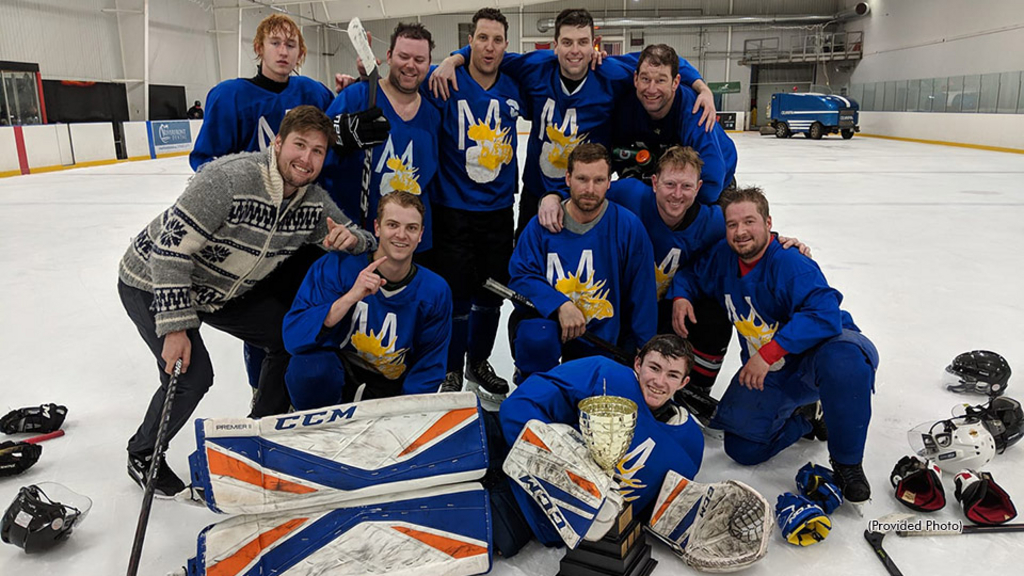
x,y
817,485
719,527
16,457
918,484
360,130
983,501
43,419
802,522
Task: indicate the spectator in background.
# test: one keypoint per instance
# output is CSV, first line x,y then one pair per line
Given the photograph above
x,y
196,111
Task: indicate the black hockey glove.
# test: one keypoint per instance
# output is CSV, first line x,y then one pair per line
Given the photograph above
x,y
918,484
984,502
43,419
16,457
360,130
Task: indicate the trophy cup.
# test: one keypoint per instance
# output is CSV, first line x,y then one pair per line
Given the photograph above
x,y
607,424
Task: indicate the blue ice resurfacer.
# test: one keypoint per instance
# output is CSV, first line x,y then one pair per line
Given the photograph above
x,y
814,115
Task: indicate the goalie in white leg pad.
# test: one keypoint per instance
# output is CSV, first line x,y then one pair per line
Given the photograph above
x,y
719,527
339,453
552,464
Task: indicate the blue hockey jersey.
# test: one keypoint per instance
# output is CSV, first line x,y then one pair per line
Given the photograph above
x,y
785,298
605,271
243,117
406,161
673,249
403,335
633,127
478,171
656,448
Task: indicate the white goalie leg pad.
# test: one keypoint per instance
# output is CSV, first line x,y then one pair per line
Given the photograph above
x,y
552,464
719,527
441,531
339,453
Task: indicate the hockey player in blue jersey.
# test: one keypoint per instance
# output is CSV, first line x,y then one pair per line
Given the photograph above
x,y
798,346
370,326
665,439
473,212
407,160
243,115
658,115
595,275
572,101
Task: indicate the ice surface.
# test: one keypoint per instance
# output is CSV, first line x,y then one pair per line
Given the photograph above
x,y
923,241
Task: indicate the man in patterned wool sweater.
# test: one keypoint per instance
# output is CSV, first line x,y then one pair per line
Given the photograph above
x,y
238,219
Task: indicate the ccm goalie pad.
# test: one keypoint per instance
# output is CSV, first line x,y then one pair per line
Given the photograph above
x,y
552,464
719,527
441,531
339,453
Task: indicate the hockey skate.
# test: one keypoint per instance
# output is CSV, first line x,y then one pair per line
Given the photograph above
x,y
489,386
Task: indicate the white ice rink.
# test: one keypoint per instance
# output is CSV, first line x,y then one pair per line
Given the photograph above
x,y
923,241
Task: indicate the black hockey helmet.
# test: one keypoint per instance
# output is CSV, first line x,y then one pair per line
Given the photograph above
x,y
1003,417
978,371
38,520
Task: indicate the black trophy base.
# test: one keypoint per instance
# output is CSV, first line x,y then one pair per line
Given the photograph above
x,y
624,551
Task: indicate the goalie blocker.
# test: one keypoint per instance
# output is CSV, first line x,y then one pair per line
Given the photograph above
x,y
340,453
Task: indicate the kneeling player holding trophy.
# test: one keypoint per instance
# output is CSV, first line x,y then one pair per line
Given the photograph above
x,y
561,493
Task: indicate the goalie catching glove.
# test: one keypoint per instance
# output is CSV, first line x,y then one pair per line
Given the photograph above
x,y
43,419
802,522
16,457
983,501
719,527
361,130
918,484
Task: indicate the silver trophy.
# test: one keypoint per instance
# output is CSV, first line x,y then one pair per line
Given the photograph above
x,y
607,424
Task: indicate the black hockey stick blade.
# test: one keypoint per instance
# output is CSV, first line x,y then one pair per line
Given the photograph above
x,y
154,465
875,540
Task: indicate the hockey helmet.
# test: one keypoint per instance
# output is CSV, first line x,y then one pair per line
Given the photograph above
x,y
978,371
1003,417
954,444
42,515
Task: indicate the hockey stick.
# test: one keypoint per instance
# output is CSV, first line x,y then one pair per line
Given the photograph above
x,y
702,404
361,43
154,464
44,437
875,540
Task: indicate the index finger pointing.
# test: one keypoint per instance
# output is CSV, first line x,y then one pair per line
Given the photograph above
x,y
373,265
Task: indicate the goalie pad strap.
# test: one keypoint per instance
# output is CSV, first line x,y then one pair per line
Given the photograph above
x,y
339,453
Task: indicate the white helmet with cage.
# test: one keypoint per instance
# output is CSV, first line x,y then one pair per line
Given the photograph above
x,y
954,444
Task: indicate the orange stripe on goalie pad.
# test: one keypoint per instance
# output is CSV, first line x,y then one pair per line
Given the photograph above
x,y
664,505
224,465
237,562
585,484
531,438
444,424
450,546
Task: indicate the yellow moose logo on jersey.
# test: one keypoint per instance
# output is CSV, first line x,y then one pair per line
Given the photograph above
x,y
493,147
666,271
753,328
582,288
560,141
371,347
402,175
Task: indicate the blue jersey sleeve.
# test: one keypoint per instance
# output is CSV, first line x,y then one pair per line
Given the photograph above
x,y
706,144
219,134
527,271
432,338
628,193
692,282
303,327
814,306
